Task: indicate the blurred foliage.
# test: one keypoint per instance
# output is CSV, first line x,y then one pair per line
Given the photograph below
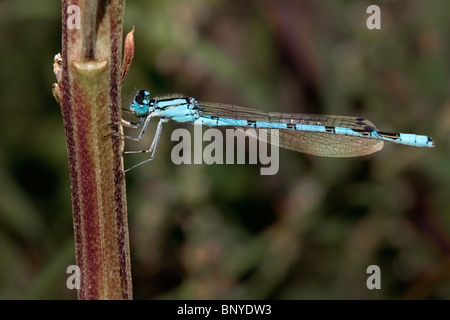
x,y
225,231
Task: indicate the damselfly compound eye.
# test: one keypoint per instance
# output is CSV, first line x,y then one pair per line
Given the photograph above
x,y
142,97
140,105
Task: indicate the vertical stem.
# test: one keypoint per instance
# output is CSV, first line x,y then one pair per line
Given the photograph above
x,y
89,29
90,99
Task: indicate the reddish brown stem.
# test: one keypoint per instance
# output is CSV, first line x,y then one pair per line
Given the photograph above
x,y
89,92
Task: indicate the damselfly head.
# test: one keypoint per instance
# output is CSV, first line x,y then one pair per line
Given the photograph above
x,y
141,103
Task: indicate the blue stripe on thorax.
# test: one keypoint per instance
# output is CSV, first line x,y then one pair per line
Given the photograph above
x,y
172,103
179,109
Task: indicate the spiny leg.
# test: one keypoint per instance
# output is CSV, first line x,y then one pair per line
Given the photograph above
x,y
141,134
155,140
128,124
152,148
125,123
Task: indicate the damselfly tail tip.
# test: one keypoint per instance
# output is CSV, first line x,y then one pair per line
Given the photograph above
x,y
431,143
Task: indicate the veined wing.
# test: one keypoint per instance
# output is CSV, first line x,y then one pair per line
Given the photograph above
x,y
238,112
318,143
327,144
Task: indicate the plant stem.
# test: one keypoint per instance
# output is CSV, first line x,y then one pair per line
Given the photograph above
x,y
89,93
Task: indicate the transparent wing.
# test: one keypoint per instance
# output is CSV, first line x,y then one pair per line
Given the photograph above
x,y
316,143
238,112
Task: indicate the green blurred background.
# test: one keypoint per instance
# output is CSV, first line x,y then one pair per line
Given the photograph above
x,y
225,231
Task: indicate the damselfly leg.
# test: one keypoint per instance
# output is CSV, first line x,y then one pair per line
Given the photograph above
x,y
153,147
134,126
